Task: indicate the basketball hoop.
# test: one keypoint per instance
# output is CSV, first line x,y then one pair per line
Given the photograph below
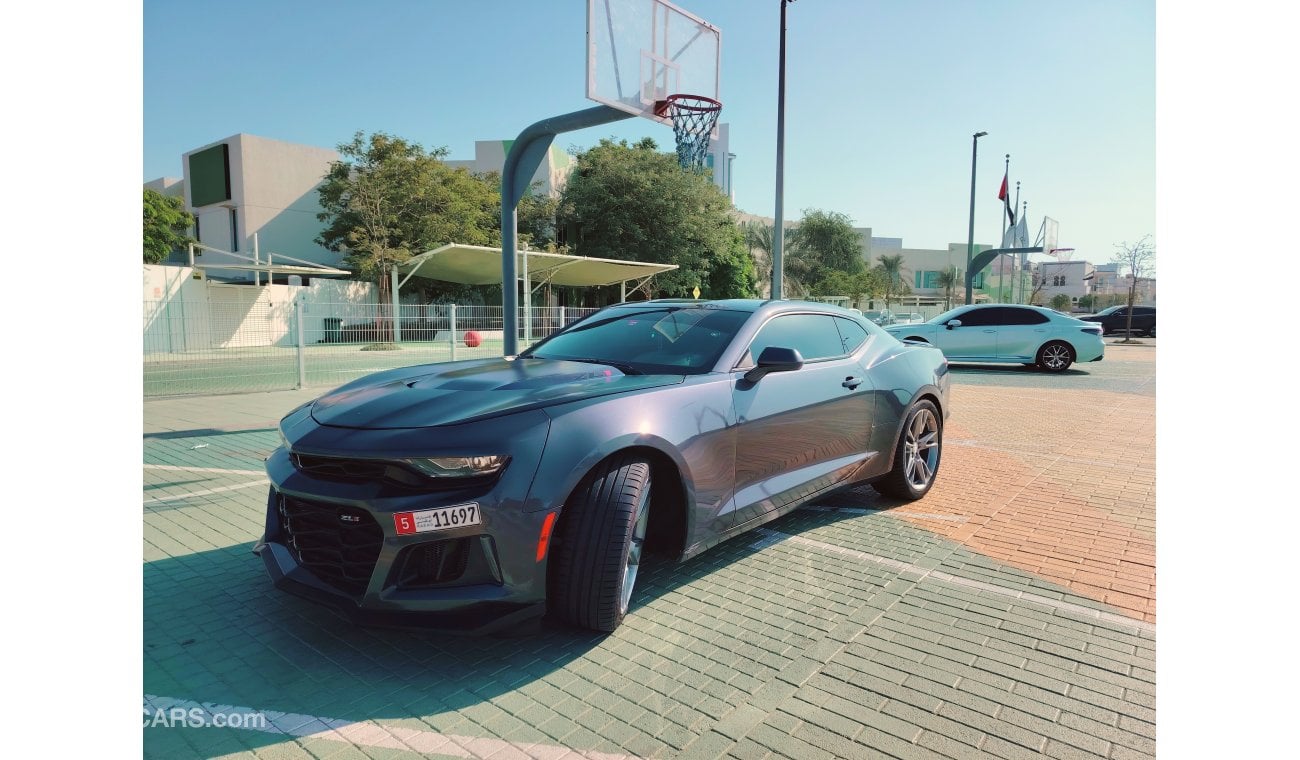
x,y
693,117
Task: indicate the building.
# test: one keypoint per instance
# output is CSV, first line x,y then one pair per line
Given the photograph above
x,y
254,197
720,160
1070,278
490,156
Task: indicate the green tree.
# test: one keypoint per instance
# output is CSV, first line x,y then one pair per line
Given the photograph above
x,y
166,226
867,283
387,198
891,269
1086,302
828,240
633,202
948,280
1061,302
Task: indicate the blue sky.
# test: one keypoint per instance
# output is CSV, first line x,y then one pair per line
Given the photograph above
x,y
882,97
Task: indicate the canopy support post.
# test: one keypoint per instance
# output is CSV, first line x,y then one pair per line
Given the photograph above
x,y
397,305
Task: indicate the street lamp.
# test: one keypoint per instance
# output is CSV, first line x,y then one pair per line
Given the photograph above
x,y
778,231
970,234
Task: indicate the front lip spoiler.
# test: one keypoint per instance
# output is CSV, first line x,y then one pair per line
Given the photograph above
x,y
478,618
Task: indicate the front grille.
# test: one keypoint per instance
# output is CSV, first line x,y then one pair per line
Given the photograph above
x,y
434,563
339,545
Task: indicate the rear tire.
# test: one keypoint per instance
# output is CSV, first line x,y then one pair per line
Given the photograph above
x,y
598,545
1152,332
917,457
1055,356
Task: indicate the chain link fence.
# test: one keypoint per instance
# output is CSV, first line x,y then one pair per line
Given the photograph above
x,y
238,346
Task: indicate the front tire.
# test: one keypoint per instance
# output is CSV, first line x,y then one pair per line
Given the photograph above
x,y
598,547
1055,356
916,460
1152,332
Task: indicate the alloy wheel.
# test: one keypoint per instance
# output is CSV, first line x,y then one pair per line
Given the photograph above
x,y
1056,357
634,551
921,449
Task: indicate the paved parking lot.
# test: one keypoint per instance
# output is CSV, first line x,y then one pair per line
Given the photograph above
x,y
1011,613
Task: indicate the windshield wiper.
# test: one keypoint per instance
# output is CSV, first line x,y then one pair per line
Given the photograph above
x,y
626,369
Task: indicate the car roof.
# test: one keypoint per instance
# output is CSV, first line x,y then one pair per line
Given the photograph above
x,y
744,304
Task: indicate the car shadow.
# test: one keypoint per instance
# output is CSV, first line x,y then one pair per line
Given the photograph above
x,y
1009,369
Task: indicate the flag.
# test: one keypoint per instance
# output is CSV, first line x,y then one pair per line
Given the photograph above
x,y
1004,195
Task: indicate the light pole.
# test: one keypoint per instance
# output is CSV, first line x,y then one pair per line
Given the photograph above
x,y
970,234
778,231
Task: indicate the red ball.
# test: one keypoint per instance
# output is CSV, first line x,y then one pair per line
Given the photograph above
x,y
473,339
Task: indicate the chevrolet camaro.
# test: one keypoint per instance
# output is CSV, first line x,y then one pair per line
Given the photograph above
x,y
476,494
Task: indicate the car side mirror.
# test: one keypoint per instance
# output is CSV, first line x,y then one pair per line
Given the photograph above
x,y
774,359
954,323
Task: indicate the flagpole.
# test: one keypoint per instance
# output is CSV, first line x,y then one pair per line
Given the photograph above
x,y
1024,219
1021,268
1006,171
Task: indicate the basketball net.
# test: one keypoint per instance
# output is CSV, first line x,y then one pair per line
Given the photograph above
x,y
694,117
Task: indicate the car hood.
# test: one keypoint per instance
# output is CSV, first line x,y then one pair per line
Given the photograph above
x,y
449,394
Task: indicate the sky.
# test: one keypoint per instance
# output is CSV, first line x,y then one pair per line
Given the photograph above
x,y
882,98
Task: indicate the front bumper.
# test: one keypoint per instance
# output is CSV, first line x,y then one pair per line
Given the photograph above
x,y
335,540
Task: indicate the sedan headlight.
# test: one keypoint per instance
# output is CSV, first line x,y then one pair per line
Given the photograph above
x,y
459,467
284,440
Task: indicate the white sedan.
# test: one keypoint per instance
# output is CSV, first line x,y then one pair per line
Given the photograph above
x,y
1029,335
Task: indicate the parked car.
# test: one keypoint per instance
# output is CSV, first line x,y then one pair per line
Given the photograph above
x,y
1029,335
880,317
1115,320
908,318
475,494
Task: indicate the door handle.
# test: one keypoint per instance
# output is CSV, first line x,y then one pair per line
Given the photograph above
x,y
990,331
851,382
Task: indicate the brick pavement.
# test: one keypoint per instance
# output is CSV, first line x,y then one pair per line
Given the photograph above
x,y
1008,614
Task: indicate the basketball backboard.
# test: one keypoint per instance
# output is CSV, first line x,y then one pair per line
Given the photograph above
x,y
641,51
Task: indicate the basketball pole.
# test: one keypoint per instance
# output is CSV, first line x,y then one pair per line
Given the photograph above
x,y
525,156
778,231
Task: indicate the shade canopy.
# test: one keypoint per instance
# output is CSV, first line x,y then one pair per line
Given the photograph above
x,y
481,265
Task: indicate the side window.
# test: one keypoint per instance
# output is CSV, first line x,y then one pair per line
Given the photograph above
x,y
1023,317
981,317
814,336
852,334
1146,312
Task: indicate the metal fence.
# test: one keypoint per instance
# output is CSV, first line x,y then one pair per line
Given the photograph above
x,y
233,346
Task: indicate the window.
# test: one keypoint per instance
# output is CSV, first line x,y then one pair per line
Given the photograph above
x,y
234,231
1014,316
814,336
978,281
981,317
1058,281
852,334
927,279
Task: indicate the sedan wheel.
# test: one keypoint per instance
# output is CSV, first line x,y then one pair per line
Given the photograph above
x,y
916,461
598,545
1055,357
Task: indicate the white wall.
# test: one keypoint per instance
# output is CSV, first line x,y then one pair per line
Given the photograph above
x,y
185,314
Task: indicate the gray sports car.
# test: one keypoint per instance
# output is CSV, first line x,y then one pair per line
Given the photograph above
x,y
472,495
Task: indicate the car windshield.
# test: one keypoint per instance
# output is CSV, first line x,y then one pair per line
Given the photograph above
x,y
1109,310
653,340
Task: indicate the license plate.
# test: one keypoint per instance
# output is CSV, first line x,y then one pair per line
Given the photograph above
x,y
442,518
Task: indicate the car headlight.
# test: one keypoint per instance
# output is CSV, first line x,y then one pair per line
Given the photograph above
x,y
284,441
459,467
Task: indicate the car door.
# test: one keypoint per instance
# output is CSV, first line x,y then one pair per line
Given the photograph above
x,y
975,340
801,431
1022,331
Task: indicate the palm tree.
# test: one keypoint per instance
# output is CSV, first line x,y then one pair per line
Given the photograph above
x,y
799,263
948,279
892,268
